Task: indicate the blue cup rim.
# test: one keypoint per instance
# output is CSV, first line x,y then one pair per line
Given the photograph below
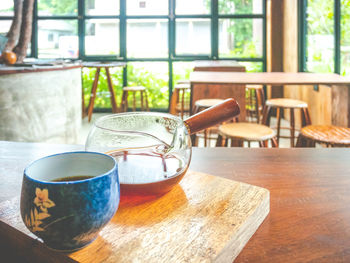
x,y
70,182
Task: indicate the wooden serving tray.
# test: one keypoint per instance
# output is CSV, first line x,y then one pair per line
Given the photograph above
x,y
203,219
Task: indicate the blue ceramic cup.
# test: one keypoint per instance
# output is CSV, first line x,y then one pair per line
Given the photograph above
x,y
68,198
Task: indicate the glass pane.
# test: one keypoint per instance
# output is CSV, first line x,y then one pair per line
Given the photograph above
x,y
345,37
241,38
147,38
252,66
240,6
154,76
182,71
193,7
5,26
320,36
103,96
102,37
57,39
147,7
6,8
100,8
57,8
193,36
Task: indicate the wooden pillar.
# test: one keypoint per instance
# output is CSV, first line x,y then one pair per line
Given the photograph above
x,y
275,17
341,105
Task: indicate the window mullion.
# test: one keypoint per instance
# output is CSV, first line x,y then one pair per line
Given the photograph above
x,y
337,13
171,45
214,29
81,28
302,36
264,37
122,39
34,40
122,30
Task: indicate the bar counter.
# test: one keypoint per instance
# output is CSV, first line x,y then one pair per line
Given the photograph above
x,y
40,103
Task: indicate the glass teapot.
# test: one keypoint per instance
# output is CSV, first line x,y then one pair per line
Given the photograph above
x,y
153,150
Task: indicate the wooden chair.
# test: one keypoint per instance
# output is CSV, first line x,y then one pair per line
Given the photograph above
x,y
235,134
143,98
179,104
208,134
329,135
280,105
255,102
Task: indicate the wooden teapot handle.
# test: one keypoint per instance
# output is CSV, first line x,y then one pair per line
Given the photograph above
x,y
228,109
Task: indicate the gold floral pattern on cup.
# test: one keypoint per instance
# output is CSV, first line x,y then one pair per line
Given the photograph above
x,y
34,220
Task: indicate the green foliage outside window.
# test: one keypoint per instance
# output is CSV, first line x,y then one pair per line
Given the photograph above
x,y
157,87
320,22
242,30
58,7
155,83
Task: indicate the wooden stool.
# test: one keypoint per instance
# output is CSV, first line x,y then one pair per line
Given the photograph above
x,y
133,90
255,102
239,132
207,133
200,105
324,134
98,66
281,104
178,103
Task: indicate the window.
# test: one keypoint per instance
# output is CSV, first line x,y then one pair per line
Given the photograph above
x,y
241,31
145,38
146,7
101,8
192,36
6,8
101,37
6,14
57,29
57,8
159,39
324,39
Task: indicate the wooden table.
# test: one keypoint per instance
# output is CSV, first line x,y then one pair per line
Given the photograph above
x,y
98,66
309,220
218,65
208,90
339,85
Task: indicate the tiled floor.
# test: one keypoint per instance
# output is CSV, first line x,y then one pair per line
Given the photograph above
x,y
86,126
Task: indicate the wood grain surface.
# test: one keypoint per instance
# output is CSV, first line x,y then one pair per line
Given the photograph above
x,y
17,70
247,131
329,134
101,64
309,219
219,91
205,90
268,78
329,106
218,65
31,250
204,219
